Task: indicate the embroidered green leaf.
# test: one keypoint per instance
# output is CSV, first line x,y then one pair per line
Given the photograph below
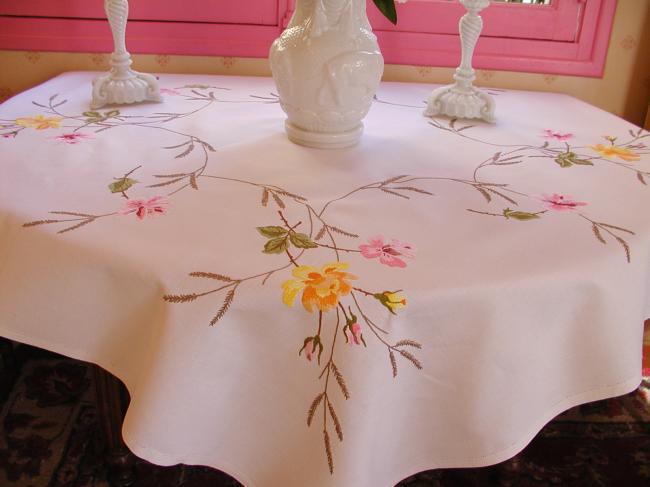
x,y
569,158
564,159
121,185
276,245
272,231
112,113
519,215
302,241
94,117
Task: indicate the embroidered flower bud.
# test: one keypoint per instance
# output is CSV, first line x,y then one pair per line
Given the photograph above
x,y
393,300
310,346
354,328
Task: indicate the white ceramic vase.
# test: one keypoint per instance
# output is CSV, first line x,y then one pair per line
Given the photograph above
x,y
327,67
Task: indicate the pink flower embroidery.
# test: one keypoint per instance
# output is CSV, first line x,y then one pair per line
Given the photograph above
x,y
73,138
9,135
142,207
169,91
560,202
388,253
309,350
355,329
551,134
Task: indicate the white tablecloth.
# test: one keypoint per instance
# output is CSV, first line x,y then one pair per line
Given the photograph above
x,y
429,298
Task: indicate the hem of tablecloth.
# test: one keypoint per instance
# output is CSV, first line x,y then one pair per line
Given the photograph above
x,y
165,459
144,452
597,394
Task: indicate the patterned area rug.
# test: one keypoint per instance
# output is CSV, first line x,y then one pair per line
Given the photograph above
x,y
50,437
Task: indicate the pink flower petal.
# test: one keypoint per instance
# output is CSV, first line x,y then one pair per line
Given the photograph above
x,y
391,261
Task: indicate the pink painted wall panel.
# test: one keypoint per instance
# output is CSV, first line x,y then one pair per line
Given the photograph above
x,y
259,12
537,39
558,21
87,35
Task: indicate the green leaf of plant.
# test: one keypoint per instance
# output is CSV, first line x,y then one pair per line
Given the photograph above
x,y
568,159
519,215
272,231
112,113
565,159
121,185
276,246
302,241
92,114
387,7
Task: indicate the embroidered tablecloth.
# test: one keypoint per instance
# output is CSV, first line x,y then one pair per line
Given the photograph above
x,y
429,298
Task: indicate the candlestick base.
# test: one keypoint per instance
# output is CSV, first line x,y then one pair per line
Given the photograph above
x,y
462,99
123,86
461,102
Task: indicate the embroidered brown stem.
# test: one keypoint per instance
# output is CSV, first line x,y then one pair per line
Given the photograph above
x,y
398,347
324,398
340,249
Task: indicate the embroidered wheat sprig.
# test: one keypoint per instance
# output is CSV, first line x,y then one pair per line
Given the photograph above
x,y
328,451
314,405
393,362
340,380
335,419
224,308
278,201
342,232
409,356
408,343
211,275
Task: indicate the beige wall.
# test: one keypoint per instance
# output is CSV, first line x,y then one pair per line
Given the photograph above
x,y
623,90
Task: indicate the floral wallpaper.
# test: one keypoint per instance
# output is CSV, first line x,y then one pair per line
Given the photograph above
x,y
623,90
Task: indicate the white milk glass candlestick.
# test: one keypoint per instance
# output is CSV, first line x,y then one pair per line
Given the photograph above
x,y
462,99
122,85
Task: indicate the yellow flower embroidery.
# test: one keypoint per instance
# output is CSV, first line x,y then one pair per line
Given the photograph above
x,y
39,122
393,301
616,151
321,287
